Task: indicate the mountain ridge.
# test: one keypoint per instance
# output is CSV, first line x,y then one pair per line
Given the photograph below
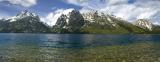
x,y
93,22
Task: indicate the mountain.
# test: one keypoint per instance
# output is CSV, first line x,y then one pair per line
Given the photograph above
x,y
91,22
4,25
156,29
26,22
71,23
144,24
99,22
148,26
23,14
96,22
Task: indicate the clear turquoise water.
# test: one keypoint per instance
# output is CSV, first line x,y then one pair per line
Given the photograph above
x,y
79,48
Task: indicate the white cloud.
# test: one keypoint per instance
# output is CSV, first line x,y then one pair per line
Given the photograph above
x,y
52,17
77,2
116,2
25,3
122,8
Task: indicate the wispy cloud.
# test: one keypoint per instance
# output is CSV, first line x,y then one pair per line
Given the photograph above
x,y
24,3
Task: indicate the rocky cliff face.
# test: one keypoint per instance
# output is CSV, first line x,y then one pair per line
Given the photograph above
x,y
4,25
100,18
144,24
71,22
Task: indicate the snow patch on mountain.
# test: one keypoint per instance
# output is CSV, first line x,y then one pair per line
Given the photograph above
x,y
144,23
22,15
100,17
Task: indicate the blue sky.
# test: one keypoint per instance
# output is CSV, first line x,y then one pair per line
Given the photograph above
x,y
129,10
41,7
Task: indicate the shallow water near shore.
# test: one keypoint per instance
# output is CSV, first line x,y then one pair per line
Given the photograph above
x,y
19,47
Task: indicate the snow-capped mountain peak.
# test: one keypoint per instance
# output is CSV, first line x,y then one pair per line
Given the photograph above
x,y
21,15
52,17
99,17
26,13
144,23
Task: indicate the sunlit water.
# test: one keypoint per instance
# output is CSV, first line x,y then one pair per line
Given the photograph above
x,y
79,48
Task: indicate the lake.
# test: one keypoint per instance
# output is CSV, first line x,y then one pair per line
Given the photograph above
x,y
23,47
